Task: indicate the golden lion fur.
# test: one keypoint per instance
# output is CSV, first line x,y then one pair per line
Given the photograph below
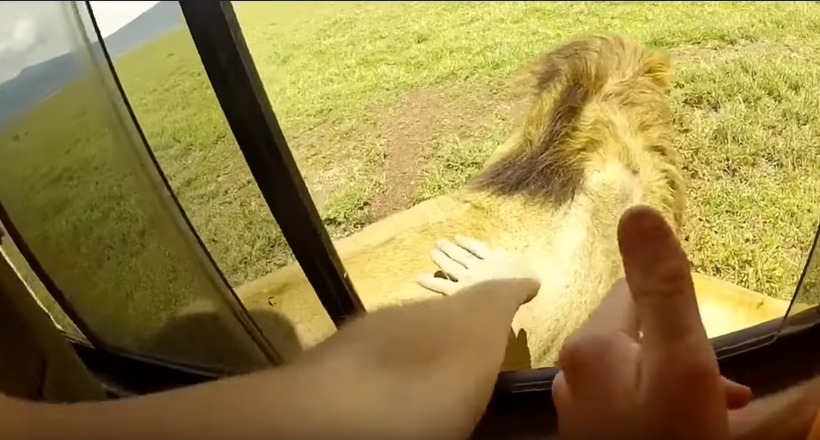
x,y
596,140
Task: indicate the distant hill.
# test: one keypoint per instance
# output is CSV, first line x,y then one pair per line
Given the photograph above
x,y
37,82
162,18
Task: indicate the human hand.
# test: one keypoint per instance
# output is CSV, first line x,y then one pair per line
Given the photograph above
x,y
423,370
642,367
468,262
786,415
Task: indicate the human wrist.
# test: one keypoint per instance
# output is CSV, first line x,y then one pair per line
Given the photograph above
x,y
510,292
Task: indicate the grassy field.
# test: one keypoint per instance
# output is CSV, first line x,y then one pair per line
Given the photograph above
x,y
375,95
85,214
388,104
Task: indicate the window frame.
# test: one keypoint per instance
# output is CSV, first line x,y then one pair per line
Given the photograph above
x,y
148,160
232,73
84,19
218,36
229,65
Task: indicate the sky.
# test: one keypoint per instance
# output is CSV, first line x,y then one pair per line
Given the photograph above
x,y
32,32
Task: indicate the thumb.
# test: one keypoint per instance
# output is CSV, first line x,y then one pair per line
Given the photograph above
x,y
657,272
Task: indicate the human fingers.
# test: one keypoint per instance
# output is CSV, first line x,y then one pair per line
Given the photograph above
x,y
436,284
599,362
605,345
583,351
609,333
657,272
456,253
737,395
561,394
476,247
679,375
447,265
615,313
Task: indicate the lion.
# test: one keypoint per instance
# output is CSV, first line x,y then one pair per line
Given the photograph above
x,y
597,139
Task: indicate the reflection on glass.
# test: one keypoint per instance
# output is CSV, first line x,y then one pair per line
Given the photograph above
x,y
390,108
805,305
12,254
176,107
76,183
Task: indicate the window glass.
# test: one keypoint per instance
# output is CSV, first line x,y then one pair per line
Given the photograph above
x,y
79,186
804,307
12,254
391,108
177,109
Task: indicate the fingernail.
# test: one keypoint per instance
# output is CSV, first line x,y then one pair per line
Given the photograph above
x,y
642,231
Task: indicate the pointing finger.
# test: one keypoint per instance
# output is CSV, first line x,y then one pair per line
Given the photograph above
x,y
678,367
657,272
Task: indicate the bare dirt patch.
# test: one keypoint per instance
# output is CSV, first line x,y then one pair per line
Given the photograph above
x,y
408,129
411,127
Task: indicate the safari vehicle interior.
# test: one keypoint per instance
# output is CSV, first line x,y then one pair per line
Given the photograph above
x,y
101,252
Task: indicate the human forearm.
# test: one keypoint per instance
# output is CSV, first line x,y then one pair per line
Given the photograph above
x,y
242,406
421,371
438,354
783,416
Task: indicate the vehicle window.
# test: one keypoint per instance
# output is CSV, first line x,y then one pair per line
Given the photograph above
x,y
78,185
394,110
172,98
803,310
405,121
13,255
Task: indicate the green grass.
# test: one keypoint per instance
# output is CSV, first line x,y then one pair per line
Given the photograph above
x,y
454,160
81,213
745,100
342,78
749,130
74,192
